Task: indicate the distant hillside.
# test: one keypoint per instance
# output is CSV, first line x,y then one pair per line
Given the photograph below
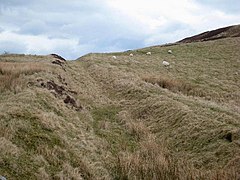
x,y
128,117
230,31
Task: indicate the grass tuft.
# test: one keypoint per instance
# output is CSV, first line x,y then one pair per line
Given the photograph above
x,y
11,72
174,85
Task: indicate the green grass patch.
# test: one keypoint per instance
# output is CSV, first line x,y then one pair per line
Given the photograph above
x,y
46,103
107,125
30,137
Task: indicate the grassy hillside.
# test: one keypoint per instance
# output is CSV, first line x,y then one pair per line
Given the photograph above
x,y
125,118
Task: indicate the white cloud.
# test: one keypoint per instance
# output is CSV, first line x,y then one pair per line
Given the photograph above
x,y
73,28
155,13
39,44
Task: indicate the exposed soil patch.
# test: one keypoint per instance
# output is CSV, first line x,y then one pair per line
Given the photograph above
x,y
57,62
70,100
60,63
60,91
51,85
58,57
62,80
229,137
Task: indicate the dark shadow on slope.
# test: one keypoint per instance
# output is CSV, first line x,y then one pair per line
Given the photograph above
x,y
230,31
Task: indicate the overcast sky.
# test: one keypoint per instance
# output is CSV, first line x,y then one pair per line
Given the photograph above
x,y
72,28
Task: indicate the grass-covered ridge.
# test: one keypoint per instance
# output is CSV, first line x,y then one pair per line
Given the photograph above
x,y
125,118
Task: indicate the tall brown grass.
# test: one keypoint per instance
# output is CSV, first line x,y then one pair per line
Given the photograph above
x,y
174,85
10,73
153,161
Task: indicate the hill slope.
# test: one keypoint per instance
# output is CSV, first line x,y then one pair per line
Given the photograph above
x,y
125,118
230,31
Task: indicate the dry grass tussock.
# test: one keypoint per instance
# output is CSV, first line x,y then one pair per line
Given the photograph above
x,y
174,85
11,72
153,161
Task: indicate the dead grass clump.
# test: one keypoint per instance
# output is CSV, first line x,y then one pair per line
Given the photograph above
x,y
153,161
69,172
27,68
64,163
42,174
50,121
10,73
6,129
137,129
7,148
148,162
174,85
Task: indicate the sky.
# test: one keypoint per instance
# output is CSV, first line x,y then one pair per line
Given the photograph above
x,y
72,28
